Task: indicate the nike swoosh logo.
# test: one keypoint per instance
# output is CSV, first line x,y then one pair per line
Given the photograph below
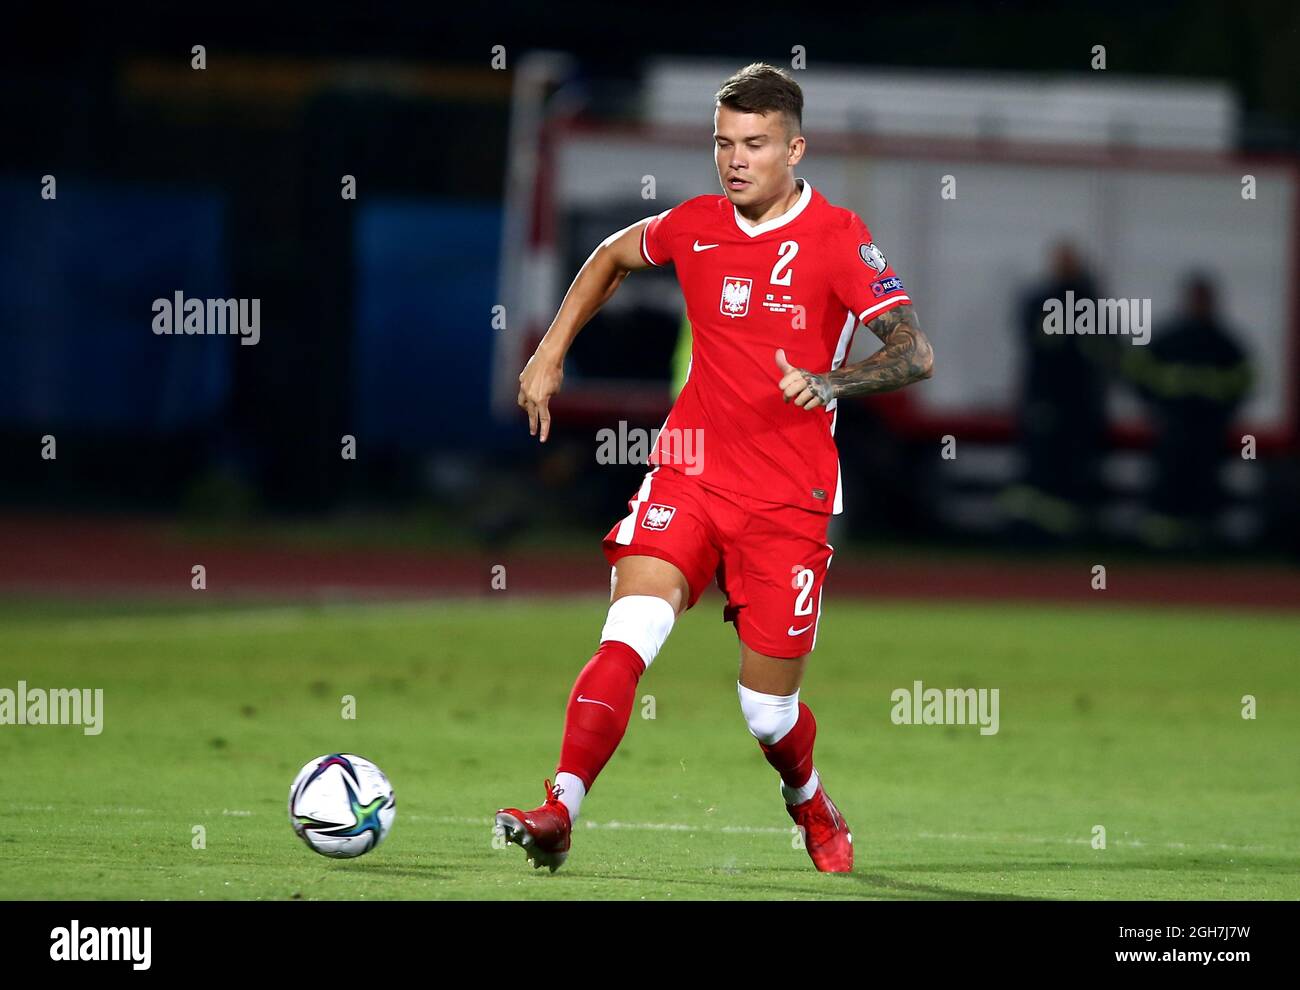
x,y
792,631
703,247
593,701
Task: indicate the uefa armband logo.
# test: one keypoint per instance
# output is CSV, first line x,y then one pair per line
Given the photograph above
x,y
873,257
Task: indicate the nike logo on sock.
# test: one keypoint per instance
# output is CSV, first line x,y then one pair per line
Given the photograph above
x,y
593,701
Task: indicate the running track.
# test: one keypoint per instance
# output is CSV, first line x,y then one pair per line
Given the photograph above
x,y
83,557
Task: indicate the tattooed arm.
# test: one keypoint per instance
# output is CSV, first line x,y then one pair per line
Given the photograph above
x,y
906,358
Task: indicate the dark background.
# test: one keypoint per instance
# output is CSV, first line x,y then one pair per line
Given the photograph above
x,y
224,183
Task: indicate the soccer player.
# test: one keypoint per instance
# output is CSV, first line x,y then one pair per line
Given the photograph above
x,y
745,475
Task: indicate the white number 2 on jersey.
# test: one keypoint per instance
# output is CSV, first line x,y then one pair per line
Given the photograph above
x,y
781,270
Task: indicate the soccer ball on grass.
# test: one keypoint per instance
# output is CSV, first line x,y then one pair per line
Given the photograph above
x,y
341,805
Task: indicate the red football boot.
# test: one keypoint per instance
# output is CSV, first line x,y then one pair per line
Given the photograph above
x,y
543,832
826,834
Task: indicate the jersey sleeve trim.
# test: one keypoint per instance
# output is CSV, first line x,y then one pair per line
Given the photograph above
x,y
882,307
645,251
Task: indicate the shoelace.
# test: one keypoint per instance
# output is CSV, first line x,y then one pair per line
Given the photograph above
x,y
553,799
555,806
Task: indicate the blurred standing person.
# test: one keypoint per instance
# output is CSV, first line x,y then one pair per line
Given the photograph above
x,y
1193,377
1062,416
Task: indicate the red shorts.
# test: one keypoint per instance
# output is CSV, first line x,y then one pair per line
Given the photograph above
x,y
770,560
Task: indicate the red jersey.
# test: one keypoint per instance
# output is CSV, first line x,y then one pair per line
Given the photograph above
x,y
801,281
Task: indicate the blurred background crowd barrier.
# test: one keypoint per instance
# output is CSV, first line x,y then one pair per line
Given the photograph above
x,y
400,317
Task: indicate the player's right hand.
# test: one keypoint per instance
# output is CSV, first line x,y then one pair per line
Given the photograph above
x,y
540,379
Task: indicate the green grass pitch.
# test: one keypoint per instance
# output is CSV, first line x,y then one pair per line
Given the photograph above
x,y
1130,719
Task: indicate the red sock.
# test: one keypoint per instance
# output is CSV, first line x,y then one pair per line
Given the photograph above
x,y
599,708
791,755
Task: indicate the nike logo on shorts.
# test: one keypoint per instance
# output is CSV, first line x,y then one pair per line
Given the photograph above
x,y
792,631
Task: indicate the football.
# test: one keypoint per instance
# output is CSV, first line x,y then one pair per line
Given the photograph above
x,y
341,805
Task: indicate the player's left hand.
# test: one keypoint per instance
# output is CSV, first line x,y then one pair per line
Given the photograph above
x,y
805,389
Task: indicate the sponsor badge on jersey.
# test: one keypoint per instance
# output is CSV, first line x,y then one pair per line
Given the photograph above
x,y
884,285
